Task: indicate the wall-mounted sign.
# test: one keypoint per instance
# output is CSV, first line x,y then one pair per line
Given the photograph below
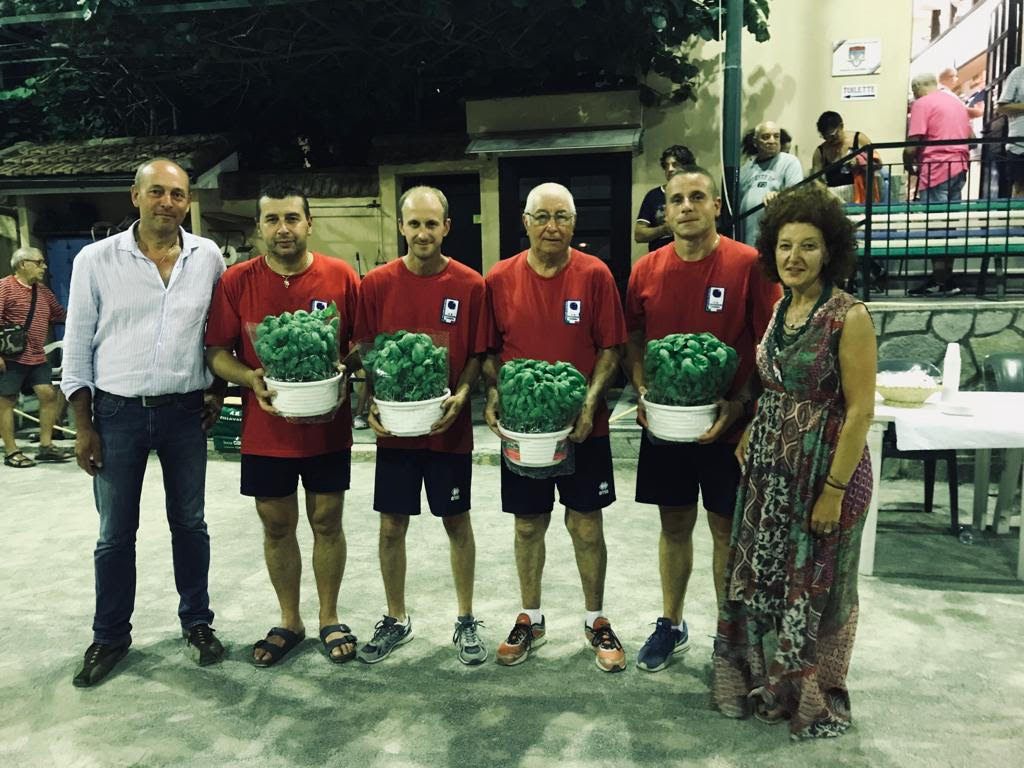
x,y
856,57
858,92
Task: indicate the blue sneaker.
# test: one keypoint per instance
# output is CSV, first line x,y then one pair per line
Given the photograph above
x,y
662,645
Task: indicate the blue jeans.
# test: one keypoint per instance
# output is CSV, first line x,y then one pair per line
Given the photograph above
x,y
128,432
947,191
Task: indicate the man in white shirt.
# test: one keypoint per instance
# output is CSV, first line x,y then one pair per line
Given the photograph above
x,y
765,175
1011,104
135,373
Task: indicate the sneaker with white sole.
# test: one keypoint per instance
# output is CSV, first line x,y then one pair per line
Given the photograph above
x,y
467,640
662,645
523,638
387,635
608,652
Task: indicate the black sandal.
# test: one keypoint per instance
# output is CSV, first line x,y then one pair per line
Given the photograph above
x,y
329,645
277,652
23,463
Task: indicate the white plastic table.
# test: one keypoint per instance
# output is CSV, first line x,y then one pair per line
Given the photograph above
x,y
996,421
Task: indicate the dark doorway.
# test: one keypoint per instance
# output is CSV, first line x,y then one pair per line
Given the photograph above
x,y
463,192
601,187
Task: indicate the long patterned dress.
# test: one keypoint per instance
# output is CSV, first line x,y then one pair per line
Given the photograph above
x,y
786,629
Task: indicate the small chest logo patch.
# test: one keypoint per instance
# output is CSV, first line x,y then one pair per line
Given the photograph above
x,y
317,305
573,311
449,311
715,299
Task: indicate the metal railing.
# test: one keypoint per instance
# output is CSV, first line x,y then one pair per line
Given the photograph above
x,y
905,239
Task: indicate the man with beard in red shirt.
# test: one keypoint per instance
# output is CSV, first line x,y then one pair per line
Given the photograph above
x,y
276,452
426,292
700,282
555,303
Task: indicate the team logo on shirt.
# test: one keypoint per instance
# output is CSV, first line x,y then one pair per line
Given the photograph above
x,y
449,310
573,311
714,301
317,305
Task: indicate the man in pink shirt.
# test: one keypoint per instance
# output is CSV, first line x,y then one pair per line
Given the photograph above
x,y
941,170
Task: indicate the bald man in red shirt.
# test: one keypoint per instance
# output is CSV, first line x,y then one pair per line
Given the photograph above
x,y
555,303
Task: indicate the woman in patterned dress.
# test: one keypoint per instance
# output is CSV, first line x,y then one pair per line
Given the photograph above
x,y
786,628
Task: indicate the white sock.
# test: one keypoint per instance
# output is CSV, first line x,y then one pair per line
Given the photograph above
x,y
536,617
677,627
593,616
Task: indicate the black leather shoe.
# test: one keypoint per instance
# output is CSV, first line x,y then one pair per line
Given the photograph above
x,y
204,648
99,660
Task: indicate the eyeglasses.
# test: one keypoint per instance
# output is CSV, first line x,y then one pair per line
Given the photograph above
x,y
542,219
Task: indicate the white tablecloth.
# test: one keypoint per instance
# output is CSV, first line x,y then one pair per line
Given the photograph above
x,y
996,421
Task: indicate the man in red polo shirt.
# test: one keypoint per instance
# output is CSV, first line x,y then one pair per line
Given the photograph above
x,y
276,452
700,282
555,303
23,294
426,291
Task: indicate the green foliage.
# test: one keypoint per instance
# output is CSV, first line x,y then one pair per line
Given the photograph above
x,y
299,346
536,396
405,367
688,369
139,67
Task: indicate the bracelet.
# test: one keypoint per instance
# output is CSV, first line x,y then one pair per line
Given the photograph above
x,y
835,483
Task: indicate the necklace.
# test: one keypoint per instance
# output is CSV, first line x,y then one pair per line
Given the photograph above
x,y
786,332
287,281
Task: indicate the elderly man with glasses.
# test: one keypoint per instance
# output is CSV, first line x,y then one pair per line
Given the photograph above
x,y
25,301
555,303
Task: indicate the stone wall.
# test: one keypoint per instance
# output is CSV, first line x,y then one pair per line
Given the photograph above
x,y
920,330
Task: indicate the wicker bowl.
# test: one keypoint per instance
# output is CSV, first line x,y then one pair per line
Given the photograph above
x,y
906,397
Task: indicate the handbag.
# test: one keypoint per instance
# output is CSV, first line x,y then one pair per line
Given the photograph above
x,y
14,337
860,184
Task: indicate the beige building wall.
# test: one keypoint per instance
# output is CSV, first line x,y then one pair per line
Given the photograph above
x,y
788,79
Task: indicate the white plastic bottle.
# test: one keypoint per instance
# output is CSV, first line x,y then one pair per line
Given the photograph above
x,y
951,372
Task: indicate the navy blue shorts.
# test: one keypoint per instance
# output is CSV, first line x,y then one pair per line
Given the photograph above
x,y
401,473
20,378
589,488
275,477
670,475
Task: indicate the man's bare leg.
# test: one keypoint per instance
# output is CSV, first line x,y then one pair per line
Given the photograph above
x,y
462,547
324,511
675,557
530,554
7,424
587,532
49,406
391,549
284,565
721,533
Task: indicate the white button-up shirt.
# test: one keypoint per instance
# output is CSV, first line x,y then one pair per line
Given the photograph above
x,y
129,334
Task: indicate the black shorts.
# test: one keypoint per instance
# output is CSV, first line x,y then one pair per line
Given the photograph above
x,y
670,474
20,378
401,473
590,487
274,477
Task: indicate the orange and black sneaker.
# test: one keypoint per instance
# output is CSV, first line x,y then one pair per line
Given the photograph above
x,y
608,653
523,638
